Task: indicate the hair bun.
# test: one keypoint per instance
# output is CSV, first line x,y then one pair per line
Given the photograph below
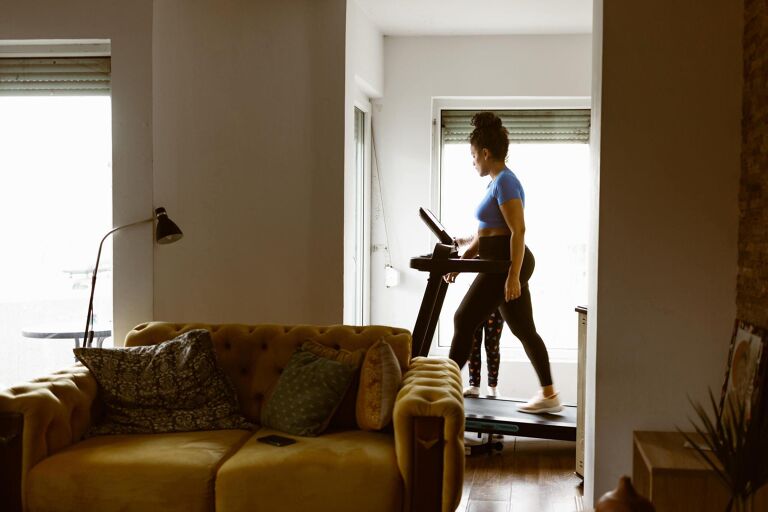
x,y
486,120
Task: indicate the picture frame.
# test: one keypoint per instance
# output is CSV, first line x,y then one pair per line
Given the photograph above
x,y
745,375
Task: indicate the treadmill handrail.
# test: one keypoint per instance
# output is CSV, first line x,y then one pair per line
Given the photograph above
x,y
445,265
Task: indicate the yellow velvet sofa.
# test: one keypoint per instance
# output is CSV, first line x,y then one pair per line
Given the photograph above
x,y
417,465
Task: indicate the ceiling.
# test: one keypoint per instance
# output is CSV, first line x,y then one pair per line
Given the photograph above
x,y
476,17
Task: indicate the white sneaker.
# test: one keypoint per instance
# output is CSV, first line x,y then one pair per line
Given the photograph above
x,y
472,391
540,404
493,391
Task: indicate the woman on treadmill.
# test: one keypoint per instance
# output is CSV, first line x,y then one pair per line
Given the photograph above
x,y
501,236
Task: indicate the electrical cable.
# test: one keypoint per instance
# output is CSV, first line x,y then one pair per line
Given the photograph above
x,y
387,255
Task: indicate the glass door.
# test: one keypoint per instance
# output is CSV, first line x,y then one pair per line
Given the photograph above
x,y
55,205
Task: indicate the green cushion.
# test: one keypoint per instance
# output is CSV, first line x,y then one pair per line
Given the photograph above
x,y
306,395
174,386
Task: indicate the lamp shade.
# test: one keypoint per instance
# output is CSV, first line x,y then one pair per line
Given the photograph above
x,y
166,231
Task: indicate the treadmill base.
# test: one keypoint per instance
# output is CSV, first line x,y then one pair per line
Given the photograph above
x,y
490,415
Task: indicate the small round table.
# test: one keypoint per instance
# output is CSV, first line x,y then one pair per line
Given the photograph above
x,y
64,334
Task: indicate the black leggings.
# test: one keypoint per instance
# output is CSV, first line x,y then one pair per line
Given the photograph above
x,y
492,328
485,295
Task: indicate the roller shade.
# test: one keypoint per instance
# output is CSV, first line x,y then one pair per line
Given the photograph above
x,y
524,126
55,76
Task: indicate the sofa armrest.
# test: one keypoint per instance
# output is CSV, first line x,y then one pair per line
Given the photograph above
x,y
11,425
55,412
429,435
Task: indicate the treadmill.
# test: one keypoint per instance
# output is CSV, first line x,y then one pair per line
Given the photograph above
x,y
487,416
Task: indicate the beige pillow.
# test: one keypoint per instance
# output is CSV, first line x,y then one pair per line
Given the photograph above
x,y
380,378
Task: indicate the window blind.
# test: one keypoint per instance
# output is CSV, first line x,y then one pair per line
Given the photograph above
x,y
524,126
55,76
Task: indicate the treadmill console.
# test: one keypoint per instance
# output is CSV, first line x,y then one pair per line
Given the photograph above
x,y
434,225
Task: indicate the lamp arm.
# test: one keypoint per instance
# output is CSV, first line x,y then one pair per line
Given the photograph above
x,y
88,333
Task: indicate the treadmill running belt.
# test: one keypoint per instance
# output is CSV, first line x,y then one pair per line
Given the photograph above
x,y
500,416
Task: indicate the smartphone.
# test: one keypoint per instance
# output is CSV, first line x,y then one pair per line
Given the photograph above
x,y
276,440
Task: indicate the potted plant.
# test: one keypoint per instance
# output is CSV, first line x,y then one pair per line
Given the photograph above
x,y
734,443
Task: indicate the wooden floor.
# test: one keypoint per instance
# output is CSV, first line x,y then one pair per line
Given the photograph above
x,y
528,475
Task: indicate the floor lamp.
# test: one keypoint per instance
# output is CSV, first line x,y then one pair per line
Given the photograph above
x,y
166,232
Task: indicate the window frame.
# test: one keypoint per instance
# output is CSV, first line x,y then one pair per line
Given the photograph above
x,y
362,233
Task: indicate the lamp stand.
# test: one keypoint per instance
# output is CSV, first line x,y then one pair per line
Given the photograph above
x,y
88,333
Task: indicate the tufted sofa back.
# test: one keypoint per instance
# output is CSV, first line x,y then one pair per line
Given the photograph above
x,y
253,356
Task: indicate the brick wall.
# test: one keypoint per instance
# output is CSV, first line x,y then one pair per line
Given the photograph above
x,y
752,284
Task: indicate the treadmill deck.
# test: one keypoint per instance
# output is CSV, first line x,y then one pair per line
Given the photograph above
x,y
500,416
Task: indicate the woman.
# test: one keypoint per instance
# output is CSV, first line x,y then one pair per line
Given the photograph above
x,y
501,236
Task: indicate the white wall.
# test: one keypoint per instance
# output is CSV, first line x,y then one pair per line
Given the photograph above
x,y
416,70
249,138
247,152
669,132
594,217
363,81
129,27
365,47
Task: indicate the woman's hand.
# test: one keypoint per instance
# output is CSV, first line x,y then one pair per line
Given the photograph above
x,y
450,278
512,288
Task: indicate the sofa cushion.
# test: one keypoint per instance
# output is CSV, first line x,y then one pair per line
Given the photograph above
x,y
142,473
348,471
307,394
344,417
175,386
380,379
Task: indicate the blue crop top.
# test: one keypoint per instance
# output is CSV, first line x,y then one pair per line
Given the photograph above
x,y
504,187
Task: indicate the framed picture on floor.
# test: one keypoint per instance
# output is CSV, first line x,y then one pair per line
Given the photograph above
x,y
745,374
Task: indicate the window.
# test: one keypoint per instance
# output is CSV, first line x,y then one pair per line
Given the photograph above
x,y
359,288
359,209
549,153
55,205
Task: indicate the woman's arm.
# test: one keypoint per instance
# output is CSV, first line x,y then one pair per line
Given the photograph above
x,y
512,211
470,253
472,249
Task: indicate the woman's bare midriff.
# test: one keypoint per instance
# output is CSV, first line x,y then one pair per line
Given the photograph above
x,y
493,232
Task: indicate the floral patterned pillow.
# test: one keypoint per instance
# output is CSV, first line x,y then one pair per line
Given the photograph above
x,y
174,386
